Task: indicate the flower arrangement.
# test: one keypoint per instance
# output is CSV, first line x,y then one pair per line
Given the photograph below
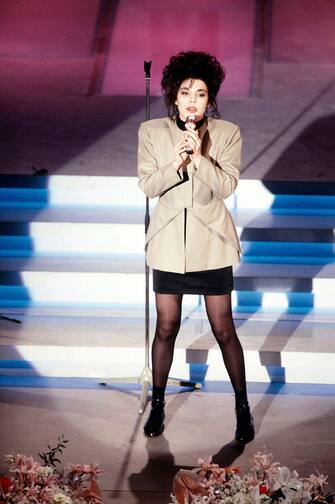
x,y
29,481
265,483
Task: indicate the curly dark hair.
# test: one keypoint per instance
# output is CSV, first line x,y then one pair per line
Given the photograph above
x,y
194,65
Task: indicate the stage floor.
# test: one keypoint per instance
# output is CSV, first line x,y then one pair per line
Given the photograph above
x,y
294,422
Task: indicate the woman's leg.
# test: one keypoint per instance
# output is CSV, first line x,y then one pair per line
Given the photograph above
x,y
168,308
220,317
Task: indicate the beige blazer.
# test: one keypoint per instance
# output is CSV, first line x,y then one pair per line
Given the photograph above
x,y
203,236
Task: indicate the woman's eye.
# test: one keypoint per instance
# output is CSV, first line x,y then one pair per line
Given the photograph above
x,y
184,93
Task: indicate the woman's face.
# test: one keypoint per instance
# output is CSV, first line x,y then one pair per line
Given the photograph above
x,y
192,99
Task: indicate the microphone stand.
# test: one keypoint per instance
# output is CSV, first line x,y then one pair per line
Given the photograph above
x,y
146,375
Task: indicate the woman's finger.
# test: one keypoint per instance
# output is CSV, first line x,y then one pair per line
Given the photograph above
x,y
193,134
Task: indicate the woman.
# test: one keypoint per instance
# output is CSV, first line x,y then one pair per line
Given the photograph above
x,y
191,161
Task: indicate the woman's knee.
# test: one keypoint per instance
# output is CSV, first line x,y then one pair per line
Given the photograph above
x,y
224,331
167,329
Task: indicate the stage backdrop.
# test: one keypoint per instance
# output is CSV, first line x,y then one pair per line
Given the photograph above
x,y
47,28
303,31
47,46
154,30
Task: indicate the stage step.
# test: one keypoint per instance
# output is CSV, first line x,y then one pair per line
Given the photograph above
x,y
134,263
30,288
281,351
40,192
114,250
103,239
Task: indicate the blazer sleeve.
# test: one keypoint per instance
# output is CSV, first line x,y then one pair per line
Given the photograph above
x,y
153,180
223,176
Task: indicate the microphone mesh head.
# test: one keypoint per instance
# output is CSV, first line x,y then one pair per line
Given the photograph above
x,y
190,118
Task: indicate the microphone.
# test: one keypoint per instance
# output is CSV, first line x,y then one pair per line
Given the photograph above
x,y
190,126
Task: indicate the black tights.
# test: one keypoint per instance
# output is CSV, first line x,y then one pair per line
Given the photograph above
x,y
168,308
220,317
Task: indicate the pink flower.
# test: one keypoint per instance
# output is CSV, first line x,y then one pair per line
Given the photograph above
x,y
212,472
32,492
77,470
205,462
316,483
33,483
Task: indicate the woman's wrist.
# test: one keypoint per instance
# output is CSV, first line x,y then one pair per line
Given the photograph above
x,y
196,159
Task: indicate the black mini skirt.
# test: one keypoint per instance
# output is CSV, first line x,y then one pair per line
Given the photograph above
x,y
211,282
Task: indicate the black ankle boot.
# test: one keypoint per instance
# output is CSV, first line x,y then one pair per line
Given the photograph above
x,y
154,426
245,431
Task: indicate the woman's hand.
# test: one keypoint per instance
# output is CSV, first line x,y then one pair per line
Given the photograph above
x,y
180,150
194,144
190,141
